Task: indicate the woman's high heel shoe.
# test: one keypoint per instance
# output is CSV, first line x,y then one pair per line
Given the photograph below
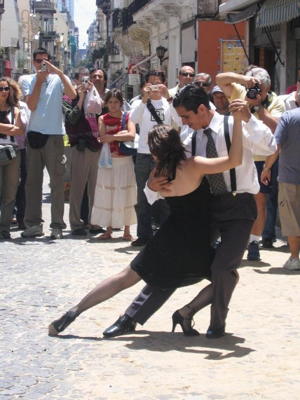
x,y
60,324
185,323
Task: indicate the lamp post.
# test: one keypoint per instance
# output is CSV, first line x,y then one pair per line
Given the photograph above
x,y
160,52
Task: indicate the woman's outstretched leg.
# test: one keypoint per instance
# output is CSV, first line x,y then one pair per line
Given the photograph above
x,y
105,290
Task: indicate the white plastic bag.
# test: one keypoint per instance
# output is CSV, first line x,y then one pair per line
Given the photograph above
x,y
105,160
93,102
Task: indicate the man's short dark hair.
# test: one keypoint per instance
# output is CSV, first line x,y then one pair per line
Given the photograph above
x,y
190,97
160,74
41,50
104,74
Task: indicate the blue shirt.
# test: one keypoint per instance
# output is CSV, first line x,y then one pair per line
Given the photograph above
x,y
287,135
47,118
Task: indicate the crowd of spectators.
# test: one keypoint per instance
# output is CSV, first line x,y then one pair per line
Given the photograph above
x,y
79,131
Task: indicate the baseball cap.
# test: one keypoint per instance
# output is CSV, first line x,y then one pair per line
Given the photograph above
x,y
216,89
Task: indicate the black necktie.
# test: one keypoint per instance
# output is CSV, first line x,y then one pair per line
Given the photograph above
x,y
216,181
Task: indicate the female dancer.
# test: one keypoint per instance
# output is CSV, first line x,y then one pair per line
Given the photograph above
x,y
10,126
179,254
115,193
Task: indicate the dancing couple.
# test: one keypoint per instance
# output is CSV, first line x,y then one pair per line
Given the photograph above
x,y
180,253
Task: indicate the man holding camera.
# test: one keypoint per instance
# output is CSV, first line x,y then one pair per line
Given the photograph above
x,y
255,87
45,144
152,109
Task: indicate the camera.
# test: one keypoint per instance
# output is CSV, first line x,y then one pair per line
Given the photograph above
x,y
154,88
44,67
253,92
85,81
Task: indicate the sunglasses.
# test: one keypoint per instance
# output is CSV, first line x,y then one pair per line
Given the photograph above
x,y
40,60
187,74
202,84
4,89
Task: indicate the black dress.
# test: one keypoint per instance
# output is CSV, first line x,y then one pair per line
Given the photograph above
x,y
180,253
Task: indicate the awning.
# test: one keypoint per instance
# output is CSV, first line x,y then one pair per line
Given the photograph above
x,y
234,5
247,13
274,12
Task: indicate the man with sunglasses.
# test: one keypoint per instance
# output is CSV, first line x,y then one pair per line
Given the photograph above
x,y
186,76
45,144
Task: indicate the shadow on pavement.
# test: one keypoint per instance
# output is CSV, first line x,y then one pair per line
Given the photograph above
x,y
247,263
277,271
225,347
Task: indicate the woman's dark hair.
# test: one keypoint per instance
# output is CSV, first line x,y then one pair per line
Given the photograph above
x,y
114,93
190,97
14,91
165,144
41,50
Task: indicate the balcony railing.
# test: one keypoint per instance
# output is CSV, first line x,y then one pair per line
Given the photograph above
x,y
51,35
44,5
117,18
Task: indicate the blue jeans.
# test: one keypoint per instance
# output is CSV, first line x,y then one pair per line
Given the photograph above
x,y
272,204
143,166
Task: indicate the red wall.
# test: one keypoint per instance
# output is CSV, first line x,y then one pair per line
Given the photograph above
x,y
209,52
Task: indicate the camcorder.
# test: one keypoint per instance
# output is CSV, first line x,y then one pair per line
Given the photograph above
x,y
253,92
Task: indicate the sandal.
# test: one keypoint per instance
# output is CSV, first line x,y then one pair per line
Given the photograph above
x,y
104,236
127,238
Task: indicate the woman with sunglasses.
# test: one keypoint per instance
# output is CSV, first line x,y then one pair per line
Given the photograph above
x,y
175,256
10,126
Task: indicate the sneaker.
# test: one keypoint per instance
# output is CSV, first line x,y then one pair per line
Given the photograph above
x,y
267,243
33,231
139,242
292,264
56,233
253,251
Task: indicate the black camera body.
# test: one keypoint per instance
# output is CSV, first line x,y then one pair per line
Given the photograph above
x,y
253,92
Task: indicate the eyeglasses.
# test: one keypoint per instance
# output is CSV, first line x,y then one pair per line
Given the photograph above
x,y
187,74
202,84
40,60
4,89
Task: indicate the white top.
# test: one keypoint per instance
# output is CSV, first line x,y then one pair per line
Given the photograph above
x,y
140,114
289,101
257,139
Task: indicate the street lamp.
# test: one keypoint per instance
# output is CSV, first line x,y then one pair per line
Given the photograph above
x,y
160,52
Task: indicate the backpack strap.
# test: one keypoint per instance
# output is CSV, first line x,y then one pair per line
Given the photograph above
x,y
123,120
153,112
228,145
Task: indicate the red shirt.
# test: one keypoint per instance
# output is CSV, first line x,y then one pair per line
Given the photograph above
x,y
112,126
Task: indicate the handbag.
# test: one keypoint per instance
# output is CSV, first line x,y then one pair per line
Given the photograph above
x,y
105,160
7,153
128,148
36,140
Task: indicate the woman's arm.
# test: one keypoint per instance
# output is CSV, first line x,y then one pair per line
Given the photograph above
x,y
13,130
205,166
125,135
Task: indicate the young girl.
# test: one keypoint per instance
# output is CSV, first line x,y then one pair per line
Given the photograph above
x,y
115,194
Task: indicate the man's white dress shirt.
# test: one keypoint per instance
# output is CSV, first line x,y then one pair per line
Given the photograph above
x,y
257,139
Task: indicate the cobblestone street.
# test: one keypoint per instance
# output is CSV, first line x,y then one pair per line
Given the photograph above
x,y
40,279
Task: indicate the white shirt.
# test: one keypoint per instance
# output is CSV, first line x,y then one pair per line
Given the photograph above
x,y
257,139
140,114
289,101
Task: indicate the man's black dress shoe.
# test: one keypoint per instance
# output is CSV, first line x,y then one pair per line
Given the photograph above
x,y
215,333
139,242
124,324
267,243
